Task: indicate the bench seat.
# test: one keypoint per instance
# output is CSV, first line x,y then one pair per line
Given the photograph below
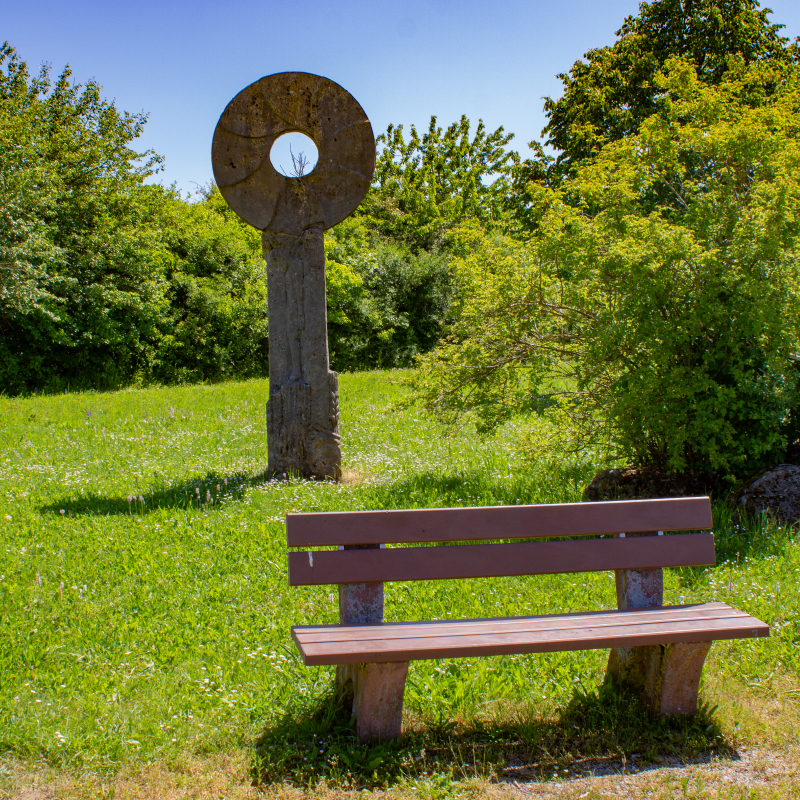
x,y
410,641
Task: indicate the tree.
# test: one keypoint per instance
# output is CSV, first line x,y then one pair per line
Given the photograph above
x,y
612,91
388,279
104,278
24,195
215,324
386,303
81,293
658,311
426,186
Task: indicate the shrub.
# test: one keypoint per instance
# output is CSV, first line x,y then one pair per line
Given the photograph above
x,y
386,304
658,309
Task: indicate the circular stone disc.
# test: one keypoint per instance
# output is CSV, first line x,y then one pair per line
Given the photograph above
x,y
284,103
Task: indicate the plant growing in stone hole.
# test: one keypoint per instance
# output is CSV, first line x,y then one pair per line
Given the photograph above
x,y
299,164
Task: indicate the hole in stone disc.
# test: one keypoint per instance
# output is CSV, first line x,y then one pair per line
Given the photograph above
x,y
294,155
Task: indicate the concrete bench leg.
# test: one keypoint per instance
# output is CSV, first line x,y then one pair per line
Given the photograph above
x,y
375,690
681,669
639,588
377,696
667,677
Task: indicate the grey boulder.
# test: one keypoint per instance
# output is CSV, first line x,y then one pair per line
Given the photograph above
x,y
775,491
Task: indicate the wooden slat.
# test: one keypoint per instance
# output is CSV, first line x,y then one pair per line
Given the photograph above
x,y
410,630
492,560
556,641
497,522
601,630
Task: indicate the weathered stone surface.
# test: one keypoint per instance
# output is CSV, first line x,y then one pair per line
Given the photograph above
x,y
283,103
775,491
303,407
632,666
360,603
293,213
665,676
378,699
639,588
634,483
636,588
376,693
681,669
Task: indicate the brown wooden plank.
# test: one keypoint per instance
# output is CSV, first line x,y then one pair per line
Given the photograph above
x,y
442,644
469,627
629,631
573,621
574,616
492,560
497,522
463,648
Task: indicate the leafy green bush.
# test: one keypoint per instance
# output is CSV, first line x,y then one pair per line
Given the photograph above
x,y
81,291
386,304
430,184
106,280
216,323
660,311
612,90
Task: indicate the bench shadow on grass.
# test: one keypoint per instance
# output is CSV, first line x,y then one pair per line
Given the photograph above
x,y
599,733
198,492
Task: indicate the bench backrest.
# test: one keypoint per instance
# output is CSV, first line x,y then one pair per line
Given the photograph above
x,y
362,532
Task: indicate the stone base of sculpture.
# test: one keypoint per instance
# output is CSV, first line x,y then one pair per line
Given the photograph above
x,y
298,445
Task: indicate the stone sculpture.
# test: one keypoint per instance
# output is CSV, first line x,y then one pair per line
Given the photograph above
x,y
293,213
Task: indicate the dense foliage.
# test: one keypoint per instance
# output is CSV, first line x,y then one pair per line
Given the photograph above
x,y
636,286
106,279
386,303
608,95
388,275
659,311
77,271
428,185
612,90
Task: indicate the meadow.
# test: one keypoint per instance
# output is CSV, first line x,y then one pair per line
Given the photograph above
x,y
145,612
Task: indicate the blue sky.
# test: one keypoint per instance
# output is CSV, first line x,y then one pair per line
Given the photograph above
x,y
182,62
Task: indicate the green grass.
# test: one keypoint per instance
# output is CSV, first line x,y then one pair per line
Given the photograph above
x,y
145,613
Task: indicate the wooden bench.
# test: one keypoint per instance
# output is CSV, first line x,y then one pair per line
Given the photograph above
x,y
657,650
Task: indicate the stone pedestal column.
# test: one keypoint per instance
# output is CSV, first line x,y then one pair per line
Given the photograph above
x,y
303,406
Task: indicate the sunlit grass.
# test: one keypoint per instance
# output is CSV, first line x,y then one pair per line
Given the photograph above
x,y
145,612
